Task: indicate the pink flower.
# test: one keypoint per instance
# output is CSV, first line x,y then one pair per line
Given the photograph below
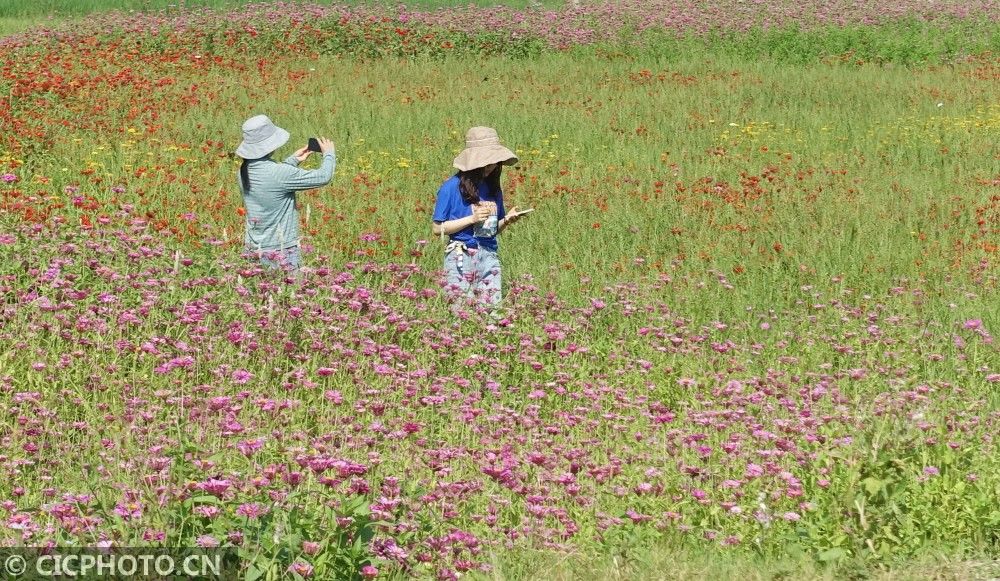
x,y
207,511
207,541
369,572
129,510
215,486
301,568
251,510
241,376
249,447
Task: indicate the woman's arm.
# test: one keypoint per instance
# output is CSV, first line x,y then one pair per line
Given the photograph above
x,y
509,219
480,212
299,179
451,226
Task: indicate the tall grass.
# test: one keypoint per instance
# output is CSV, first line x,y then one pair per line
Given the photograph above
x,y
748,334
75,8
869,172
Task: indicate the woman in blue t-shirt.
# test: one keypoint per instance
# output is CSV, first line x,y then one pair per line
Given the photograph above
x,y
470,211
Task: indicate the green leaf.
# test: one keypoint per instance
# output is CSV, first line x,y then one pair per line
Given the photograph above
x,y
873,485
206,499
834,554
253,573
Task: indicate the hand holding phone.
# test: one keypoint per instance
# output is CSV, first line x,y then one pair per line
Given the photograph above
x,y
313,145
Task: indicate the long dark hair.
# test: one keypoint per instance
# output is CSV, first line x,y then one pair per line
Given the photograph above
x,y
245,175
468,183
245,171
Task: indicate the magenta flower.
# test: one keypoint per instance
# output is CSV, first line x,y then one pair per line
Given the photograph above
x,y
215,486
128,510
301,568
251,510
207,541
207,511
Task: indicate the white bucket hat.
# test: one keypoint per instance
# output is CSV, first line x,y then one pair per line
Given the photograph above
x,y
260,137
482,147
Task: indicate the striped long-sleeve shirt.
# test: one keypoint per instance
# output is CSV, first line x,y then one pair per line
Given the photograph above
x,y
272,215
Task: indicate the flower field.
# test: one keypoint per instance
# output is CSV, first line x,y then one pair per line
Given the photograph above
x,y
751,321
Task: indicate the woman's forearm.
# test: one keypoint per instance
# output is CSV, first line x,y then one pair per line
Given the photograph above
x,y
449,227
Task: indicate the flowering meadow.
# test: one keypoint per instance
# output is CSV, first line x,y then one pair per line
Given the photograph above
x,y
749,329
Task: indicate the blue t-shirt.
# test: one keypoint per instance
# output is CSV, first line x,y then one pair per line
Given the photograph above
x,y
450,206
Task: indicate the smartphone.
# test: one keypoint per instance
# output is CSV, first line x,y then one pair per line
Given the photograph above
x,y
313,145
522,212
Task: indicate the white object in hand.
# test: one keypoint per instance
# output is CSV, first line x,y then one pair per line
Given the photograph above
x,y
487,228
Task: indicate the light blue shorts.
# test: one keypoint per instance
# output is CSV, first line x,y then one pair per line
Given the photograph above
x,y
472,274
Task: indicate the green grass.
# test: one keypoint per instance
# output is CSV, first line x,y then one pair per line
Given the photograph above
x,y
825,196
15,24
20,15
673,563
867,189
38,8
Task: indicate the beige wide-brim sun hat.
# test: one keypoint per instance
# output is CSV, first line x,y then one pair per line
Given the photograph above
x,y
482,147
260,137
